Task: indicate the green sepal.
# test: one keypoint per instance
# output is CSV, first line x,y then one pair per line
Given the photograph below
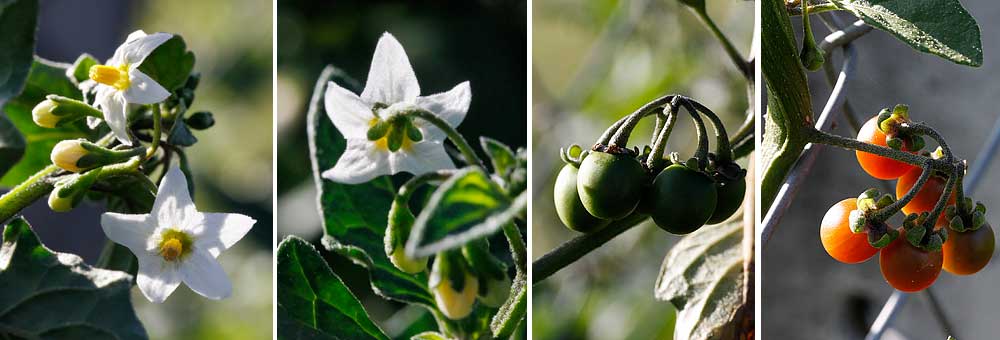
x,y
955,223
71,109
885,201
915,235
400,223
980,207
99,156
858,221
378,130
884,240
978,220
867,201
935,242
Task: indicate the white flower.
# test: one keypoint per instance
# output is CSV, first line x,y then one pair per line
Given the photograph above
x,y
176,243
391,89
119,81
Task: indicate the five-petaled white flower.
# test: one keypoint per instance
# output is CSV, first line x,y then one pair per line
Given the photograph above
x,y
398,144
175,242
119,81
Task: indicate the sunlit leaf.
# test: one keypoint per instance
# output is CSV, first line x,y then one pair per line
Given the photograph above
x,y
169,64
501,157
465,207
940,27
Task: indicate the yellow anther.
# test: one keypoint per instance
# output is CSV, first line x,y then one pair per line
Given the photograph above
x,y
110,75
171,249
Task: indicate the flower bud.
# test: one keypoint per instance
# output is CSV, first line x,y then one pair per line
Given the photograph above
x,y
43,116
67,154
396,234
77,155
70,190
200,120
454,287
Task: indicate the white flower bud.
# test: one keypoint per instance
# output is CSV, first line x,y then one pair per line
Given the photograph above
x,y
43,116
456,304
67,153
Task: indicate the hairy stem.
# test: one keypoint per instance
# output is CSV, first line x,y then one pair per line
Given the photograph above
x,y
453,135
157,130
722,148
891,209
576,248
655,158
816,136
814,9
745,68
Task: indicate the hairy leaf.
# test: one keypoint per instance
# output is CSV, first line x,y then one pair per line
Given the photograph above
x,y
45,78
502,157
702,276
940,27
313,302
465,207
44,294
169,64
355,216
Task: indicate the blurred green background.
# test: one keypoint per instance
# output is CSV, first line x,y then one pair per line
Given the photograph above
x,y
231,163
594,62
447,42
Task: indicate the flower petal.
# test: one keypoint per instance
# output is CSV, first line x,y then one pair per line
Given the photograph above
x,y
137,47
144,90
421,158
156,278
450,106
347,111
205,276
128,230
173,206
361,162
221,231
113,104
390,78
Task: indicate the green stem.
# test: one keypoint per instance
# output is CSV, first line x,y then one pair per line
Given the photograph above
x,y
741,64
661,119
453,135
701,153
655,158
620,138
606,136
942,202
26,193
408,188
814,9
883,214
820,137
572,250
926,130
157,130
745,130
519,251
722,148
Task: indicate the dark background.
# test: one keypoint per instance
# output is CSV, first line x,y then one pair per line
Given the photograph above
x,y
232,172
806,293
447,42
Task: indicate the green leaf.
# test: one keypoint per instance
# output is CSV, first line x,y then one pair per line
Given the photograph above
x,y
17,44
429,336
513,311
355,216
45,78
44,294
501,156
465,207
169,64
80,71
313,301
940,27
12,145
702,276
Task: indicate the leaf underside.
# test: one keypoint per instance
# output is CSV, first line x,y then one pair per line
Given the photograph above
x,y
940,27
44,294
702,276
355,216
313,302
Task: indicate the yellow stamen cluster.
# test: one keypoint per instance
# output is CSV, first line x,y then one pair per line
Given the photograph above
x,y
111,75
175,245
